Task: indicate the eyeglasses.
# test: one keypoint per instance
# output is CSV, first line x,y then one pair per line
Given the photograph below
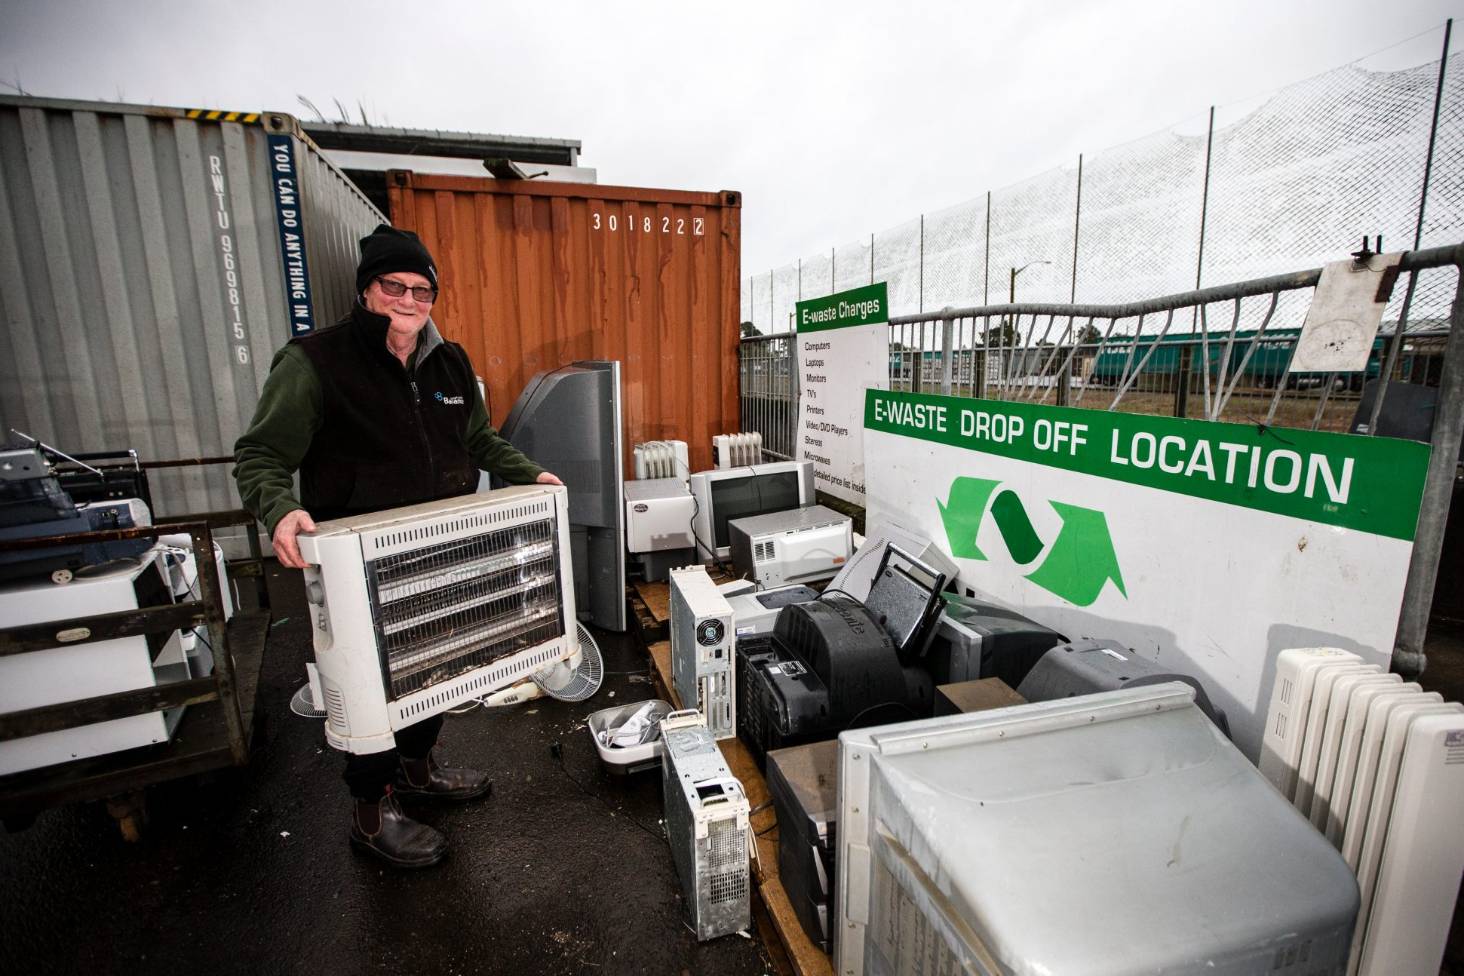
x,y
392,288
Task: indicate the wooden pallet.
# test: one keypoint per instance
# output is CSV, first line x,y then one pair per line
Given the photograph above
x,y
650,604
803,957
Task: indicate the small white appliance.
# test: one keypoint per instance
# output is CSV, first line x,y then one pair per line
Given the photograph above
x,y
708,827
800,545
662,459
416,610
703,649
736,450
658,514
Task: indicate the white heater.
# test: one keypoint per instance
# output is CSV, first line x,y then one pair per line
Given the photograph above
x,y
662,459
1378,766
416,610
736,450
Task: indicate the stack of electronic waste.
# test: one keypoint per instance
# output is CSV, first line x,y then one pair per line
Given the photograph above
x,y
82,578
803,784
838,663
34,505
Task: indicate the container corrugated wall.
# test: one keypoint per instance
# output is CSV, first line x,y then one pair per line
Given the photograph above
x,y
144,294
536,275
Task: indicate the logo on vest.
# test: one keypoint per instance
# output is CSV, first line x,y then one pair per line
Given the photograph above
x,y
447,401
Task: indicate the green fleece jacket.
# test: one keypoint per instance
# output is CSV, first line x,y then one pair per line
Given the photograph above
x,y
287,418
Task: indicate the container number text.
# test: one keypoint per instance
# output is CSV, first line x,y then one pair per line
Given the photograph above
x,y
646,224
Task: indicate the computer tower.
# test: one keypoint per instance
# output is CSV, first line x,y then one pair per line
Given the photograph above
x,y
702,647
707,826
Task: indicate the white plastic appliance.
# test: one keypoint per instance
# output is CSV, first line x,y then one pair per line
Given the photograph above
x,y
416,610
801,545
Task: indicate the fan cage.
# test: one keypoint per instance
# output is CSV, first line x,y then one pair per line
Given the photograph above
x,y
442,610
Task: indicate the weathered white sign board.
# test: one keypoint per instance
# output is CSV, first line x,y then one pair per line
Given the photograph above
x,y
1208,547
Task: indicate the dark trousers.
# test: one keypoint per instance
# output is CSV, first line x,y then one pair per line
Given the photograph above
x,y
368,775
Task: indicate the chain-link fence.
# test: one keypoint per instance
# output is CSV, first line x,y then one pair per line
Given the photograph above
x,y
1220,353
1293,179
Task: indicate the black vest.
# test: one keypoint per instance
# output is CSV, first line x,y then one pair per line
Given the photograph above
x,y
389,437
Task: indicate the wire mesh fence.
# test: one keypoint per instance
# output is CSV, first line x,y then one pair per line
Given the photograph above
x,y
1220,353
1294,178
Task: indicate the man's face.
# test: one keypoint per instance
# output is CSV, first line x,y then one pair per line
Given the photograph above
x,y
406,313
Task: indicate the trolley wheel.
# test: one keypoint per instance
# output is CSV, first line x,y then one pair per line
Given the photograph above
x,y
61,576
130,812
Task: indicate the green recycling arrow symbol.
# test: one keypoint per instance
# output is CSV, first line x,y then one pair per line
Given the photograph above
x,y
1078,562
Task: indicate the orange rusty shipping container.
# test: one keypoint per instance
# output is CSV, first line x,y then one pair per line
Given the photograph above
x,y
536,275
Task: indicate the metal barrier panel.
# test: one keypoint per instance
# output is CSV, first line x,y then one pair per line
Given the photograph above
x,y
769,392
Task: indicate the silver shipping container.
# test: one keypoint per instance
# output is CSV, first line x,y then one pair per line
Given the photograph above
x,y
153,259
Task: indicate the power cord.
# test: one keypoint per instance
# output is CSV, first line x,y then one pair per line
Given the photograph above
x,y
556,750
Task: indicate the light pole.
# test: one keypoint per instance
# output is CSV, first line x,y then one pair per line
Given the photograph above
x,y
1012,297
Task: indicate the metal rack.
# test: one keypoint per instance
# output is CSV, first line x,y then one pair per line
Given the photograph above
x,y
214,732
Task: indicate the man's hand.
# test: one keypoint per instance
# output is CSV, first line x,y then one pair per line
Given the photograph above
x,y
548,479
286,548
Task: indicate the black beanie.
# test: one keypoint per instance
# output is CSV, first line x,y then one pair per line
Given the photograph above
x,y
387,249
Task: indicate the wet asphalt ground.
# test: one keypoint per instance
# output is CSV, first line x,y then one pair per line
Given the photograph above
x,y
563,870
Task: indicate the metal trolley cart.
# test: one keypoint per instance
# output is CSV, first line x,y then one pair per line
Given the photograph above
x,y
210,717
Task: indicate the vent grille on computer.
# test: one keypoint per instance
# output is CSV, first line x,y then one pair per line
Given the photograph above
x,y
727,862
1367,757
447,608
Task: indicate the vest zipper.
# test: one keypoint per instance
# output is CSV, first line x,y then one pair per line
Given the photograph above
x,y
422,431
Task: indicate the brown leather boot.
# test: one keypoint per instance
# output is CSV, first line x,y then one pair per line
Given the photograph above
x,y
382,829
423,777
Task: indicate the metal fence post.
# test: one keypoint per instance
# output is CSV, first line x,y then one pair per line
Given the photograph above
x,y
1385,375
1433,515
1182,381
947,343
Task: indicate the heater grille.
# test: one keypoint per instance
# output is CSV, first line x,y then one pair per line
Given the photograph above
x,y
445,609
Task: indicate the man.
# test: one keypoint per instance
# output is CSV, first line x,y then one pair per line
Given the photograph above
x,y
377,412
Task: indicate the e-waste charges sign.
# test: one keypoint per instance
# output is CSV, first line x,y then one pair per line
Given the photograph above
x,y
843,350
1208,547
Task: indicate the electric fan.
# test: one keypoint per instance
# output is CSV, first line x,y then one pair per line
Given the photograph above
x,y
572,679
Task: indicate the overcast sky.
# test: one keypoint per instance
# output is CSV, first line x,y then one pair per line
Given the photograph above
x,y
833,120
